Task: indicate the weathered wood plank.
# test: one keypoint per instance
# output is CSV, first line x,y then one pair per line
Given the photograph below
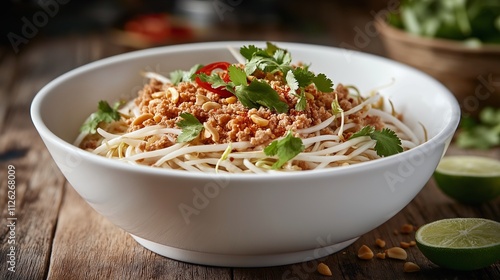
x,y
88,246
38,182
38,193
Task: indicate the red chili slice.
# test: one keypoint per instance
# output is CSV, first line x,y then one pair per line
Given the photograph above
x,y
208,69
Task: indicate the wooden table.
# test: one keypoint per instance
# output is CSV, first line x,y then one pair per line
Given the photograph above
x,y
58,236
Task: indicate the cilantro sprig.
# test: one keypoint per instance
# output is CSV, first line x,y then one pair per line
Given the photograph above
x,y
191,128
253,95
285,149
299,78
269,60
387,142
105,113
273,59
178,76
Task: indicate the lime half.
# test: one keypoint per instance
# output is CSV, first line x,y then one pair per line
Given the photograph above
x,y
461,243
469,179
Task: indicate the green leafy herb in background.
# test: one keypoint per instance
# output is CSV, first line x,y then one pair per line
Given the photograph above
x,y
105,113
472,20
480,134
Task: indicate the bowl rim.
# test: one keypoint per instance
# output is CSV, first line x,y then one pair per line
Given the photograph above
x,y
47,135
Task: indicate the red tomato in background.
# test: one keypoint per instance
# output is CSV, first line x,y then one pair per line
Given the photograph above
x,y
156,28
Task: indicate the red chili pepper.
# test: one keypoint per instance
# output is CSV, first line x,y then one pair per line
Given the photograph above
x,y
208,69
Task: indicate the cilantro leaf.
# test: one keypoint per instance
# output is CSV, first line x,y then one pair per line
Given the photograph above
x,y
365,131
270,60
304,77
252,65
248,51
387,142
323,83
294,86
271,48
260,94
301,102
178,76
292,82
214,80
191,128
105,113
237,76
282,57
285,148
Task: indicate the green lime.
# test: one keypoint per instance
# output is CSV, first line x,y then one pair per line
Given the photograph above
x,y
469,179
460,243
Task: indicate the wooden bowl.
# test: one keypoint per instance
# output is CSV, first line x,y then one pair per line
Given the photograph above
x,y
471,73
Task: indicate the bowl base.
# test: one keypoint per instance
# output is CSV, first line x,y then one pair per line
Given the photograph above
x,y
241,260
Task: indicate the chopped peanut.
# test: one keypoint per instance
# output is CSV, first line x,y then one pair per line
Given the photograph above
x,y
323,269
365,253
231,99
404,245
380,242
380,256
396,253
201,99
410,267
259,121
210,131
158,94
407,228
173,94
207,106
157,118
140,119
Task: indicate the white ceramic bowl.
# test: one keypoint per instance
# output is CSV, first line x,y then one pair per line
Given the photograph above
x,y
246,219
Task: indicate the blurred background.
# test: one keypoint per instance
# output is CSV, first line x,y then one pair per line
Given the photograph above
x,y
140,24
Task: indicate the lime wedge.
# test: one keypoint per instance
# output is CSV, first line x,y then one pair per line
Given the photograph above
x,y
460,243
469,179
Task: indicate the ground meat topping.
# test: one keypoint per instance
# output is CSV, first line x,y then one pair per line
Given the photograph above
x,y
233,121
